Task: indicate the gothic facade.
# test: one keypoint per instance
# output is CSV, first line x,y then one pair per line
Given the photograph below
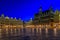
x,y
6,22
47,19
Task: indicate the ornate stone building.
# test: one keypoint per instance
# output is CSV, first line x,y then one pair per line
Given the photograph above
x,y
6,22
47,19
57,19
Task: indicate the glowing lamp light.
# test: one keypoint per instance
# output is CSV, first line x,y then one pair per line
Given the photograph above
x,y
6,26
14,26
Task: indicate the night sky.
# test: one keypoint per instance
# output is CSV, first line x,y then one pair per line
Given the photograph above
x,y
25,9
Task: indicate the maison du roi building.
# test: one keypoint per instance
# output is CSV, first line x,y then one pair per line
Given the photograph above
x,y
47,19
6,22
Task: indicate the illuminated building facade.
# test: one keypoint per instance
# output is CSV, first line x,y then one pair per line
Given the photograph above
x,y
6,22
42,19
47,19
30,24
57,19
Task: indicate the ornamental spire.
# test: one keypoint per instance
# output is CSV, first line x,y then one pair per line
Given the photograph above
x,y
51,8
30,19
2,15
11,17
40,9
15,18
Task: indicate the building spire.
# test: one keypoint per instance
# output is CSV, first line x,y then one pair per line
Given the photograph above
x,y
51,8
11,17
40,9
15,18
2,15
19,19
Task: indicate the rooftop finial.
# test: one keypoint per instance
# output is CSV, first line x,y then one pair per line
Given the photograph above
x,y
31,18
19,18
11,17
7,17
15,17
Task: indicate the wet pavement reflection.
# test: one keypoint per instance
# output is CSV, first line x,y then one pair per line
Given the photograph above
x,y
30,34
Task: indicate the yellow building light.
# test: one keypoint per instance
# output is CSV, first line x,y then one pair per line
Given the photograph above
x,y
14,26
6,26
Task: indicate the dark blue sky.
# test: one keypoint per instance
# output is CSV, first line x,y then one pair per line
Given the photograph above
x,y
25,9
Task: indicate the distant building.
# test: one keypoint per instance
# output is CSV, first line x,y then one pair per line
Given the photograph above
x,y
6,22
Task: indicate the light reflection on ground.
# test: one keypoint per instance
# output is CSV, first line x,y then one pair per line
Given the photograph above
x,y
30,34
